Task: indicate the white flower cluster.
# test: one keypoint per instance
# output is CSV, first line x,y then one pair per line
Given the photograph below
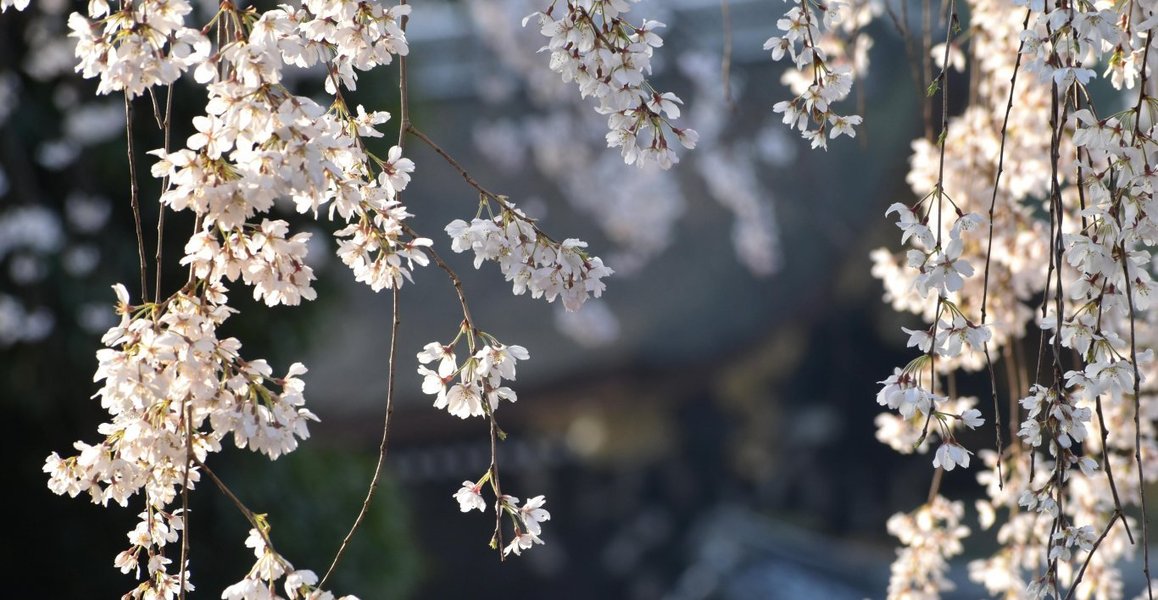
x,y
263,257
817,82
526,520
1060,44
261,581
907,434
1055,491
942,271
610,59
1063,422
259,143
918,406
477,393
480,377
929,537
530,260
155,530
360,35
135,49
175,391
952,335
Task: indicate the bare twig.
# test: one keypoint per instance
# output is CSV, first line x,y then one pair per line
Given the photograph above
x,y
245,511
382,445
404,119
187,425
1138,421
135,198
166,128
494,475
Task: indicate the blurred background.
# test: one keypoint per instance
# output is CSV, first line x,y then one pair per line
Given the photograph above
x,y
704,431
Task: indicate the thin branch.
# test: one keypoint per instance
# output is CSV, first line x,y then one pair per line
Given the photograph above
x,y
135,198
940,194
453,163
989,246
494,475
1106,463
927,63
1137,422
166,128
910,53
248,514
404,119
382,446
187,418
491,196
1098,542
403,86
935,486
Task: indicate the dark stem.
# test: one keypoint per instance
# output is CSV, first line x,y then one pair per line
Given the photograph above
x,y
382,445
135,199
166,129
188,427
1082,571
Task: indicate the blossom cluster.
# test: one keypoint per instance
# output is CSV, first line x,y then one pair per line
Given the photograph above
x,y
529,259
175,391
526,520
908,392
937,268
592,44
1090,260
132,50
929,536
477,393
818,81
261,581
480,377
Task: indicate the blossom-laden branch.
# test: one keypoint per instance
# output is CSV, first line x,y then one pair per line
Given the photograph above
x,y
1085,266
610,59
820,79
174,390
475,388
930,536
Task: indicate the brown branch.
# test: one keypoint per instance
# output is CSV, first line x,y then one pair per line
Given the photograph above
x,y
135,199
494,475
1134,351
404,123
245,511
187,417
1082,571
166,128
472,182
935,486
989,247
1106,464
1137,419
382,445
